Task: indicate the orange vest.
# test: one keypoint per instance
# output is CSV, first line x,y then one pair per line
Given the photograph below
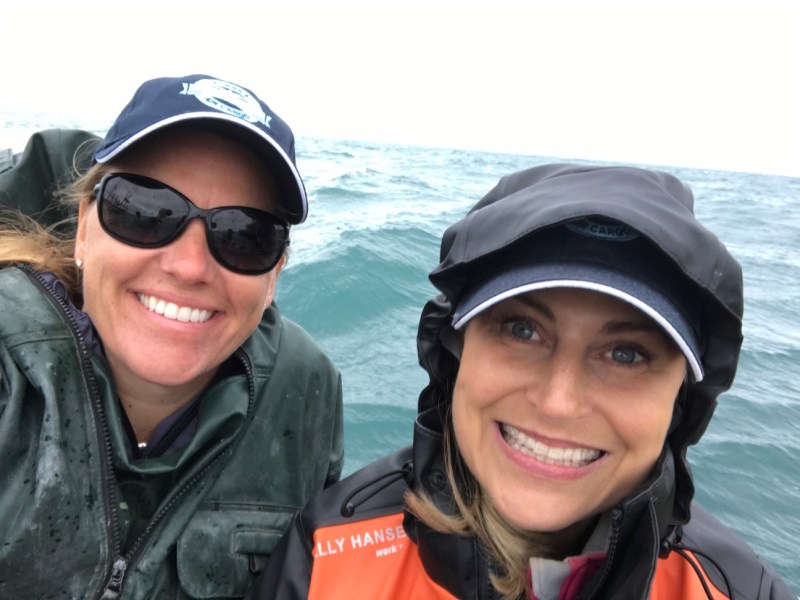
x,y
369,559
375,560
675,579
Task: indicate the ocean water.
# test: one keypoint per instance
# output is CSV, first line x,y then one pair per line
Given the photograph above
x,y
357,280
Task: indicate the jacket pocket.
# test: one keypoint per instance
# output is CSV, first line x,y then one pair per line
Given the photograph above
x,y
218,549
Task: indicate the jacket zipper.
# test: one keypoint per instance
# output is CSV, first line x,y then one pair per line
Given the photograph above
x,y
616,519
120,564
114,586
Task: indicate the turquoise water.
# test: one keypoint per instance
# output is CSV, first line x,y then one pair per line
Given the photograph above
x,y
357,279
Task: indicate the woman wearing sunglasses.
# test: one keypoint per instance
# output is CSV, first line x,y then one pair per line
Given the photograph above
x,y
160,421
586,324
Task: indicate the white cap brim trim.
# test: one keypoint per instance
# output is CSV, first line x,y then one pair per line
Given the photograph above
x,y
115,150
694,361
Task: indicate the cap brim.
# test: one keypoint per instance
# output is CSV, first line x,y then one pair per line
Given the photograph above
x,y
295,201
532,277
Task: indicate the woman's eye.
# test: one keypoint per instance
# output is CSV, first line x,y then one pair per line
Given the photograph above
x,y
521,329
627,355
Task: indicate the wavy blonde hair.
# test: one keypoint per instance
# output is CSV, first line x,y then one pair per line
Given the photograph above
x,y
49,248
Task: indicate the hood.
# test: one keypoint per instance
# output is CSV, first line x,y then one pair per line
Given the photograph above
x,y
657,205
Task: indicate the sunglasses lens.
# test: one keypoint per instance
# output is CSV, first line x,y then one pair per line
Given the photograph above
x,y
139,214
146,213
246,240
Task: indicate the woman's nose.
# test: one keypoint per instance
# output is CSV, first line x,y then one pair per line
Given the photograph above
x,y
188,258
561,388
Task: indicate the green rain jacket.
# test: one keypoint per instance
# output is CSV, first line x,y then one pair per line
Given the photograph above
x,y
73,522
268,437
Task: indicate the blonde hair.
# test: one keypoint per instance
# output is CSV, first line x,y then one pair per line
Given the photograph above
x,y
509,547
49,248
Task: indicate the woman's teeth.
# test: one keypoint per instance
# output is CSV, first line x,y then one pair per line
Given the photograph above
x,y
172,311
567,457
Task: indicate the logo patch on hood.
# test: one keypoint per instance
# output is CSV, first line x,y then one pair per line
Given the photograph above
x,y
602,229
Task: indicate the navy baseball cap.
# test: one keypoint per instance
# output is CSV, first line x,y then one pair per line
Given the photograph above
x,y
600,255
165,101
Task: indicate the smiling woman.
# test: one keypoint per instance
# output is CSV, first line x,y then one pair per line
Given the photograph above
x,y
586,324
548,410
181,273
159,419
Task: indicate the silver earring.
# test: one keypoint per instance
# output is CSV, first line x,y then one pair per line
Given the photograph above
x,y
79,263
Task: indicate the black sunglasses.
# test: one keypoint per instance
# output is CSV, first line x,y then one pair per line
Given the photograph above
x,y
146,213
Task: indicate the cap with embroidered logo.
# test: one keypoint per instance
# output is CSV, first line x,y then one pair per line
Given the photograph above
x,y
165,101
600,255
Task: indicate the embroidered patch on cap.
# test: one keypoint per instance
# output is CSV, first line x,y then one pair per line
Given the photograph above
x,y
228,98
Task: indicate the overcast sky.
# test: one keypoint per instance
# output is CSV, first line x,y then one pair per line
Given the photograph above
x,y
705,84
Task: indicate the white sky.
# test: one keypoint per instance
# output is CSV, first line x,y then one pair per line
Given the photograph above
x,y
705,84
